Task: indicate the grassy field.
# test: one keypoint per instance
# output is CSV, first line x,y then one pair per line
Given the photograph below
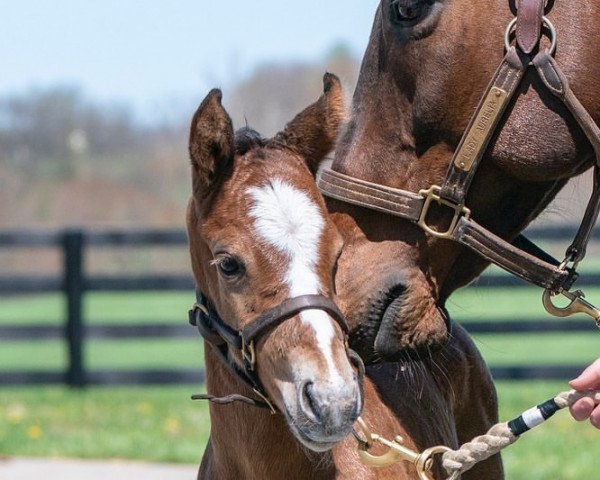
x,y
163,424
158,423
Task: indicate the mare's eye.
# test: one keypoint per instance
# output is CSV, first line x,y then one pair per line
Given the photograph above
x,y
406,12
229,266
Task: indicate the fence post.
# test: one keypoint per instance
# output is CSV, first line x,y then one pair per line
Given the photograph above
x,y
73,245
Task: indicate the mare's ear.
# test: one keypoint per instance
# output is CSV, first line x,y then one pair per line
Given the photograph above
x,y
313,132
211,144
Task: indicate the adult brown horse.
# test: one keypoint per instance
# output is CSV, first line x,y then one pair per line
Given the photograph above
x,y
425,69
263,253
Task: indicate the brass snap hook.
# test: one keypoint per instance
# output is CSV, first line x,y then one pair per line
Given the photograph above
x,y
576,305
397,452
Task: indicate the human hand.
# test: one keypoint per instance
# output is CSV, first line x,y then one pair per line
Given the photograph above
x,y
585,408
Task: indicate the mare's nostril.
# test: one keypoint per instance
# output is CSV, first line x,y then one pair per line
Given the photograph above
x,y
308,403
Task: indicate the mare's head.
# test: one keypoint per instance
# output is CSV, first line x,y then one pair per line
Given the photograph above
x,y
427,64
259,234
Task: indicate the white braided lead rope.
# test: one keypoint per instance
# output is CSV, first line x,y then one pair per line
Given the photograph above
x,y
502,435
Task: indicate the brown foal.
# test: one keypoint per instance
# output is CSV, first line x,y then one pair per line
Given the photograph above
x,y
259,237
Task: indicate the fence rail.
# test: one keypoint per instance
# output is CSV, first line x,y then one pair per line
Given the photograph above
x,y
75,284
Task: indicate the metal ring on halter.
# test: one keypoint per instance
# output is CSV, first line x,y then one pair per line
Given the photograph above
x,y
547,23
425,461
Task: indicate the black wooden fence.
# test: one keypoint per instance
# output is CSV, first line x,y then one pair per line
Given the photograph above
x,y
74,284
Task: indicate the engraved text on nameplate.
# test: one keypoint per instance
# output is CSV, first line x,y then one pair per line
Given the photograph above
x,y
481,128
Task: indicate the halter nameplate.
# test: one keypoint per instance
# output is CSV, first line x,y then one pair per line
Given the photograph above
x,y
478,136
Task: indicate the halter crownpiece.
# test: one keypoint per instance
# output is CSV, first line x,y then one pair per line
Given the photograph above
x,y
520,257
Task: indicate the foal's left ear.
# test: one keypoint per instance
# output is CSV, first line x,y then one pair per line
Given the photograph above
x,y
313,132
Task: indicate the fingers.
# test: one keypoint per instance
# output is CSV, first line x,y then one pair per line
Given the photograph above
x,y
584,408
595,417
589,379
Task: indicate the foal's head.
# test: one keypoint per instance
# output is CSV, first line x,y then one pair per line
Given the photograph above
x,y
259,234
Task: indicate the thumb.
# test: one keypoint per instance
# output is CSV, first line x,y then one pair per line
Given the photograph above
x,y
588,379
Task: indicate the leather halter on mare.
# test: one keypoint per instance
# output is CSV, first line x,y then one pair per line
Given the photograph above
x,y
520,257
221,337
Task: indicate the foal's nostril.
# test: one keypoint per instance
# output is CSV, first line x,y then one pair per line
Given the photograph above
x,y
308,403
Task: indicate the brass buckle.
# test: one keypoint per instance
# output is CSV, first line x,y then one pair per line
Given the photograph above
x,y
431,194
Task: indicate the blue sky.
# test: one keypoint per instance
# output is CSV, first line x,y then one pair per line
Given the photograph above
x,y
154,53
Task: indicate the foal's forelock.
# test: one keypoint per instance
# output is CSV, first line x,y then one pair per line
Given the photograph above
x,y
289,221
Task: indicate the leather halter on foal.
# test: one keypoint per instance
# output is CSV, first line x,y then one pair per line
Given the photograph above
x,y
221,336
520,257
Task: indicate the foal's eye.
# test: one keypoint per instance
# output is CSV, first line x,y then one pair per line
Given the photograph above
x,y
406,12
229,266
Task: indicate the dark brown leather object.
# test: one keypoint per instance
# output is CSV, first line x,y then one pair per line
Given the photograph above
x,y
529,24
287,309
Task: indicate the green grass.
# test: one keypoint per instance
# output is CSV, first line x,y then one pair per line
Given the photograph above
x,y
159,423
560,449
99,307
537,349
162,424
102,308
113,354
478,303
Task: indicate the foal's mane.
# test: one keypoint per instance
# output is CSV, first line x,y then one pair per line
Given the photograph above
x,y
246,139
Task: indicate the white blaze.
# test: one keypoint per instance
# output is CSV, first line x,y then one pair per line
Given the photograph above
x,y
290,221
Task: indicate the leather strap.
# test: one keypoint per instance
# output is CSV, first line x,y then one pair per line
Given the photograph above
x,y
220,336
213,329
287,309
228,399
399,203
210,325
512,259
536,267
557,83
529,24
577,249
482,126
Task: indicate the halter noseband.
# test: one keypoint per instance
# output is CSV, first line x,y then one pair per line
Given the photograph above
x,y
519,257
221,337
